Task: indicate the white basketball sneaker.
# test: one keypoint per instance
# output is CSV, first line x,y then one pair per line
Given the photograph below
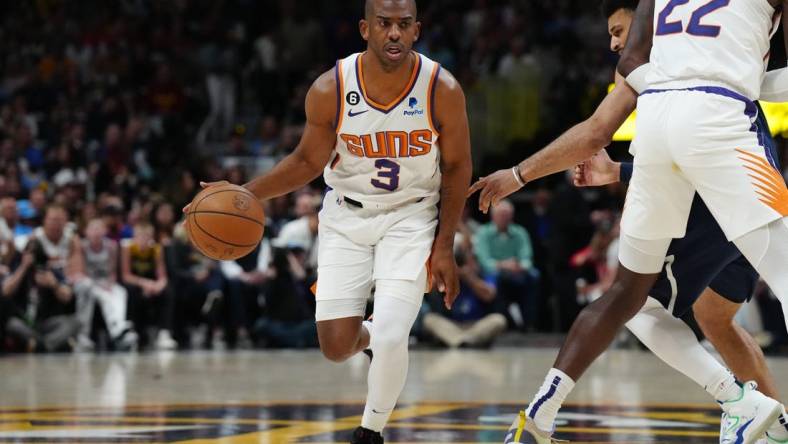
x,y
745,420
523,431
778,432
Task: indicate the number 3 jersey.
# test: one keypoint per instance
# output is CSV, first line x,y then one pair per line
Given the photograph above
x,y
385,154
711,43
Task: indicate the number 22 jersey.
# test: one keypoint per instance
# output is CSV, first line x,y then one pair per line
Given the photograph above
x,y
711,43
385,154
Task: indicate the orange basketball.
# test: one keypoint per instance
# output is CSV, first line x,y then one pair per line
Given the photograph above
x,y
225,222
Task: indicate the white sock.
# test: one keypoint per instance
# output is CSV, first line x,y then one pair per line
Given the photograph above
x,y
779,430
767,250
548,400
673,341
393,319
723,387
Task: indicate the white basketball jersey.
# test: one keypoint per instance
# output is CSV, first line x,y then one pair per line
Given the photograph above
x,y
711,43
385,154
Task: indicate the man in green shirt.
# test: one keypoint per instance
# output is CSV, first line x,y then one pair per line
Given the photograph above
x,y
505,255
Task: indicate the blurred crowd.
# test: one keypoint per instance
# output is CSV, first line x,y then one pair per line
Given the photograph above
x,y
112,112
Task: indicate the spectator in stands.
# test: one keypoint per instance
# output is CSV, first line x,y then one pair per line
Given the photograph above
x,y
198,278
12,233
472,321
38,296
245,279
267,142
111,211
164,222
98,285
288,320
506,257
595,265
144,275
302,232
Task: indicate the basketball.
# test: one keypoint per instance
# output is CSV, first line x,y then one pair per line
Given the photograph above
x,y
225,222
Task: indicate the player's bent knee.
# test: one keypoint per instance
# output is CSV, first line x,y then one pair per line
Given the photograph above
x,y
712,325
338,338
335,353
335,348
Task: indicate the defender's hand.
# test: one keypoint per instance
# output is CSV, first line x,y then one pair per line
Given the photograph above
x,y
206,185
597,171
494,187
444,274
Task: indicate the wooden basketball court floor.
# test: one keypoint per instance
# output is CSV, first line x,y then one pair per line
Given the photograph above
x,y
289,396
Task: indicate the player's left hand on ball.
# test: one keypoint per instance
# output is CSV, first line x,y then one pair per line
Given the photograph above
x,y
494,187
444,274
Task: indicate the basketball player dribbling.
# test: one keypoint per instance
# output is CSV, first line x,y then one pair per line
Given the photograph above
x,y
389,131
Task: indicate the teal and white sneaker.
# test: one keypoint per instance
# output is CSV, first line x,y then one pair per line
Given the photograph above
x,y
523,431
746,419
779,428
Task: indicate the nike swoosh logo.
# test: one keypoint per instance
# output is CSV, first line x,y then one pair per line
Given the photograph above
x,y
740,433
377,412
350,113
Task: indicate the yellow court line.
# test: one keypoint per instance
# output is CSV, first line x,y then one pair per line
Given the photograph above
x,y
6,426
310,428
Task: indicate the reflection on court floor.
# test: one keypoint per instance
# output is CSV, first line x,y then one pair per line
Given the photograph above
x,y
320,422
267,397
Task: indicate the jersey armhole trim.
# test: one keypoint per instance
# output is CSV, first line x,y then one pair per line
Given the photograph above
x,y
340,79
431,99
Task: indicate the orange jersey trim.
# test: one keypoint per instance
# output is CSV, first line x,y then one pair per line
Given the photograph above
x,y
408,88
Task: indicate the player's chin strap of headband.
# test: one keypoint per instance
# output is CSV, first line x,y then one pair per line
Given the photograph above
x,y
637,78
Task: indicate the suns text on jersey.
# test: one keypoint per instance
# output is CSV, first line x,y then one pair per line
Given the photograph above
x,y
392,144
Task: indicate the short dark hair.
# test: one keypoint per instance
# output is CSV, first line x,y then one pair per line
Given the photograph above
x,y
609,7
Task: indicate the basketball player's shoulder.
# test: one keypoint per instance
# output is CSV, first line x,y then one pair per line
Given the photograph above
x,y
449,97
321,98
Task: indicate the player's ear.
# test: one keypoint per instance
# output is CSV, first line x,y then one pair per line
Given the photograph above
x,y
418,31
363,27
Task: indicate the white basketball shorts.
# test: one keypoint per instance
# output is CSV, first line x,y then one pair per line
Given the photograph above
x,y
359,247
700,139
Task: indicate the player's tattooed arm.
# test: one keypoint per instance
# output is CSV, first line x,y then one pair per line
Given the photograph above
x,y
456,177
638,46
317,143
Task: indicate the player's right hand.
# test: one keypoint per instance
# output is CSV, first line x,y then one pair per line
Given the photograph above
x,y
494,188
597,171
205,185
